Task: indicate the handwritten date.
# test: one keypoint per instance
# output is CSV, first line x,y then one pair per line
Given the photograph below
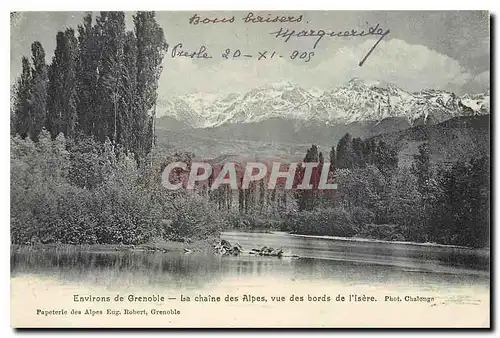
x,y
232,54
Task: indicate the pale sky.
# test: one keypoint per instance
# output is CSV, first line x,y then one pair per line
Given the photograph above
x,y
447,50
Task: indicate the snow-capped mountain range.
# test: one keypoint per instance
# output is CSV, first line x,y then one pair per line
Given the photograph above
x,y
356,101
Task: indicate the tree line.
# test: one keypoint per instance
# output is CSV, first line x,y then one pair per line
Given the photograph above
x,y
426,201
447,203
349,153
84,168
102,83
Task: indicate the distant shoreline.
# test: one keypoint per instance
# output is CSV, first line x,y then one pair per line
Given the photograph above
x,y
369,240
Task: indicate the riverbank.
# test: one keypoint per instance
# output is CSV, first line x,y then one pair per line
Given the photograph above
x,y
157,246
205,246
371,240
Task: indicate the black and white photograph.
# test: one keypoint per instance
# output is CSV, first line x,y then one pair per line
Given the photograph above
x,y
250,169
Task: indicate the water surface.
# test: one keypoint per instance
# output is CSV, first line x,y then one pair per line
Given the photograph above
x,y
341,261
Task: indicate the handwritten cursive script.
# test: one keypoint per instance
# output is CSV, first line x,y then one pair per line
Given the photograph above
x,y
200,53
250,17
270,18
286,34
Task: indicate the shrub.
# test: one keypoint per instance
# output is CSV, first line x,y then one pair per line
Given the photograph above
x,y
322,222
253,221
190,216
96,193
385,232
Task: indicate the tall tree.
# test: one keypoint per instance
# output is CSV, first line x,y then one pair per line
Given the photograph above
x,y
62,94
462,215
357,152
22,100
89,49
479,199
38,94
369,149
403,204
421,167
425,184
111,34
384,157
333,160
151,46
345,153
262,197
306,197
128,105
13,103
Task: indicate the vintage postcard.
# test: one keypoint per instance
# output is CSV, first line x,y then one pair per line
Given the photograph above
x,y
250,169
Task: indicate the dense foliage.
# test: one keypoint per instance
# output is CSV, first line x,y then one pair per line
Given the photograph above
x,y
83,164
440,203
91,192
101,83
447,203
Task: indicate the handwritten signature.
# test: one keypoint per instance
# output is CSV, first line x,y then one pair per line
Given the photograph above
x,y
286,34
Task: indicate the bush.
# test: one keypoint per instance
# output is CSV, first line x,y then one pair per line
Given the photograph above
x,y
322,222
192,217
385,232
96,193
253,221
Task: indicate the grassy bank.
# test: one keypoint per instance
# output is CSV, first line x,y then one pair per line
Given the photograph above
x,y
154,246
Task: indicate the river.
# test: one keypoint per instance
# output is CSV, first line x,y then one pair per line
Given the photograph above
x,y
447,276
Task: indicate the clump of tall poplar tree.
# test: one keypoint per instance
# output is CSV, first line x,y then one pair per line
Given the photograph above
x,y
102,82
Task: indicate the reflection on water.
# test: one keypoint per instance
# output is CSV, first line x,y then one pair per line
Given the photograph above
x,y
321,259
425,257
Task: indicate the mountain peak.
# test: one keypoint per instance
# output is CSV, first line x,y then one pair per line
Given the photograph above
x,y
280,85
356,82
355,101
